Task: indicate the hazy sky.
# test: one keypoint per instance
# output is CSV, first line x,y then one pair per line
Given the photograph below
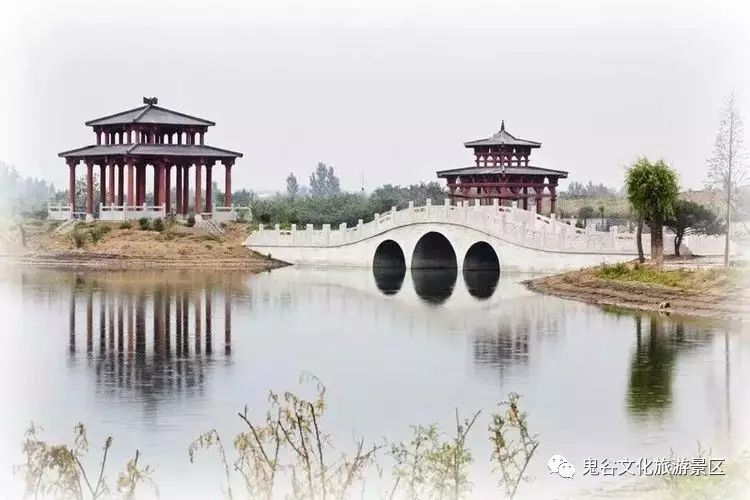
x,y
386,90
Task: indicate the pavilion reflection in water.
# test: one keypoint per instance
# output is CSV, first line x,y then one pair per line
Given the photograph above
x,y
151,338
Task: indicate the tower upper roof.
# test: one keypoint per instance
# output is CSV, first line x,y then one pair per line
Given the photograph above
x,y
502,138
150,113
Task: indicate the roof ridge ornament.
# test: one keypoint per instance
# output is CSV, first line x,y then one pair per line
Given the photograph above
x,y
502,124
151,101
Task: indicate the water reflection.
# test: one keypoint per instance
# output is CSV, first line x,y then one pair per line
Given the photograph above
x,y
389,279
434,286
150,337
481,283
653,362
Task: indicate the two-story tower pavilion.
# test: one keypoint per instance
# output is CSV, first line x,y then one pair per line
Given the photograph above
x,y
501,171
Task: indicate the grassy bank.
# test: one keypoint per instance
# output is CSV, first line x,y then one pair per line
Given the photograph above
x,y
715,293
132,245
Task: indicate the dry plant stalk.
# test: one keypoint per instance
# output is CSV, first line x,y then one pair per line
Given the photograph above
x,y
425,467
58,470
513,445
292,431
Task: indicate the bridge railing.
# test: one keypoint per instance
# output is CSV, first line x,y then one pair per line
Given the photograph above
x,y
515,225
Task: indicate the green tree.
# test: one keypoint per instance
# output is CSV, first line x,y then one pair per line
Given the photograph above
x,y
585,213
292,186
691,218
726,167
652,191
324,182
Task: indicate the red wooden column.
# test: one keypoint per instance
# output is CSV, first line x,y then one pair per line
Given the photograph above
x,y
162,183
138,180
197,204
157,178
228,182
121,184
168,187
209,190
185,188
89,188
178,189
525,198
553,199
103,184
111,185
72,184
131,184
142,177
539,192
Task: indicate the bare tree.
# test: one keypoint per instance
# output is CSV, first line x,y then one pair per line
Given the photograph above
x,y
726,167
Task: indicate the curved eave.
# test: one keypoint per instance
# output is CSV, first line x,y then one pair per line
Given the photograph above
x,y
150,150
560,174
488,142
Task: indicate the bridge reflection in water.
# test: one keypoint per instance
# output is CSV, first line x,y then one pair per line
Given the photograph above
x,y
435,286
150,336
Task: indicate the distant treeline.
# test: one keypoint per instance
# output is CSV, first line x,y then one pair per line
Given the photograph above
x,y
590,190
22,195
336,208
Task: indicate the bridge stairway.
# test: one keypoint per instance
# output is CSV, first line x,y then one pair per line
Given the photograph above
x,y
65,227
210,226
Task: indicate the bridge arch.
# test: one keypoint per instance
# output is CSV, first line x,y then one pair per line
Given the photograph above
x,y
389,254
433,251
481,257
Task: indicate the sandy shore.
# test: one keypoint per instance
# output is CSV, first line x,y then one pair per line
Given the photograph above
x,y
706,295
178,247
104,261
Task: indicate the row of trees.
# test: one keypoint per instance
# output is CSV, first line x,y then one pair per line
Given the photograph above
x,y
19,194
590,190
653,191
340,206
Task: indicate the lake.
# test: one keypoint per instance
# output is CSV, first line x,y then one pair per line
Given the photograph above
x,y
120,352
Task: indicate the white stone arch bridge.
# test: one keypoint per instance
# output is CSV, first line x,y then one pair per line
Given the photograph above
x,y
447,236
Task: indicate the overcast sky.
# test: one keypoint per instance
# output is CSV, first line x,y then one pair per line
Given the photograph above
x,y
385,90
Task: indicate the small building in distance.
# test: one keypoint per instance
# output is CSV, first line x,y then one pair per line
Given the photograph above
x,y
502,172
127,143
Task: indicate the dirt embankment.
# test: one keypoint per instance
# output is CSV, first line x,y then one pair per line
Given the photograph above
x,y
111,246
709,293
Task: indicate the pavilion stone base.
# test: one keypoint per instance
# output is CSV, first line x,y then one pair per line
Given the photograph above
x,y
125,212
59,212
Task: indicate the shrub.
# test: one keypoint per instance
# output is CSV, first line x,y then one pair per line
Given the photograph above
x,y
158,225
144,224
125,224
98,231
614,271
190,221
78,237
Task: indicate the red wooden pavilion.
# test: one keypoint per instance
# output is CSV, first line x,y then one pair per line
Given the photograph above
x,y
502,172
132,140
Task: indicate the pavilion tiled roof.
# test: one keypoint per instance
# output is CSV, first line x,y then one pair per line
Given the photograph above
x,y
506,170
168,150
150,114
502,138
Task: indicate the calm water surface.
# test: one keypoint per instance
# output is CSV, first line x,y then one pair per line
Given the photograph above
x,y
154,358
